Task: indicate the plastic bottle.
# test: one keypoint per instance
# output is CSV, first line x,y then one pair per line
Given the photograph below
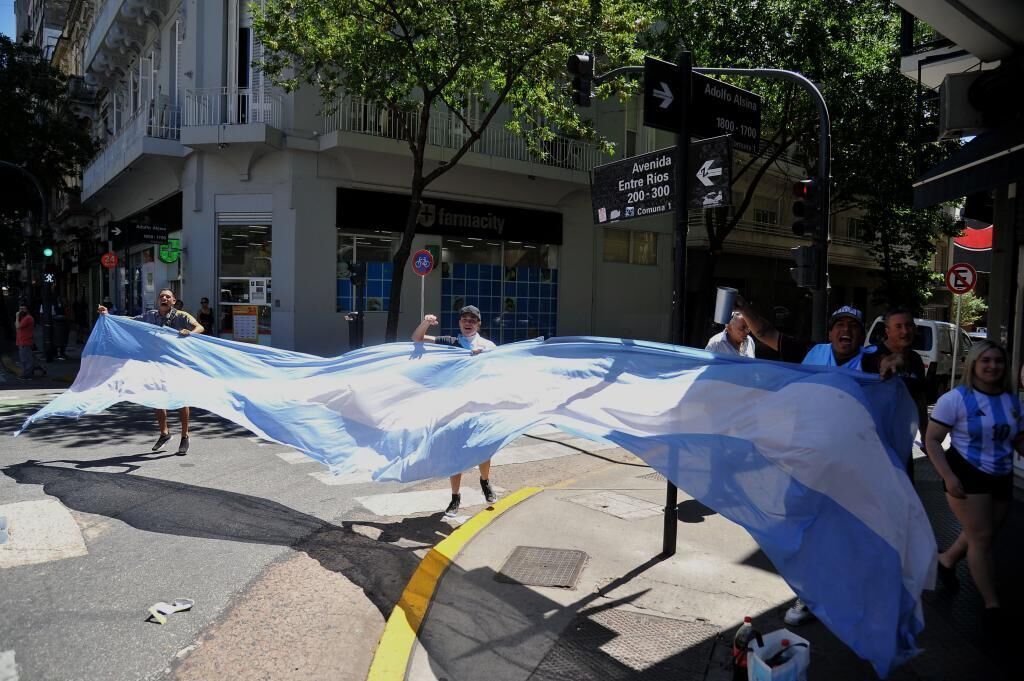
x,y
780,657
739,649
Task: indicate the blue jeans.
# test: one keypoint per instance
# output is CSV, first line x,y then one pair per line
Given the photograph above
x,y
27,360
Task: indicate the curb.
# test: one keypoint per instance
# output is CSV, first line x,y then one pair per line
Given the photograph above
x,y
391,660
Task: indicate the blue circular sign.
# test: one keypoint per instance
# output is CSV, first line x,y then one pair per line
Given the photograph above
x,y
422,263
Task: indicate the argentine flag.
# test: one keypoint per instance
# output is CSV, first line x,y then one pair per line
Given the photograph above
x,y
805,458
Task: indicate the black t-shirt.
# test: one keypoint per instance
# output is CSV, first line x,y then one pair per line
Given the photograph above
x,y
913,373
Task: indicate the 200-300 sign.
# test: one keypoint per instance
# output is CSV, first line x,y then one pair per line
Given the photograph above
x,y
655,193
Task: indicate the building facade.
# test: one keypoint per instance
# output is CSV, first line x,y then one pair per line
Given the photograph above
x,y
215,183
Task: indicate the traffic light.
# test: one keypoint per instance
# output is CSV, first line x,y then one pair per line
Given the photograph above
x,y
581,68
47,251
805,258
805,207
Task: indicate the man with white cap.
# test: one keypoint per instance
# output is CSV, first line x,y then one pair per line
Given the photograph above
x,y
470,339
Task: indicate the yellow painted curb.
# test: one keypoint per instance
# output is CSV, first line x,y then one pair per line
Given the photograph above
x,y
391,660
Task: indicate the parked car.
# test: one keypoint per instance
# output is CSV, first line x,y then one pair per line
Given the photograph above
x,y
980,333
934,342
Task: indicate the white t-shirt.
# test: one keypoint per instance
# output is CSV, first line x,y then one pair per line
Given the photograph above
x,y
982,426
474,342
721,344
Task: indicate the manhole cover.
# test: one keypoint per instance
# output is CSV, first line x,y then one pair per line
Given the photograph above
x,y
653,476
537,566
619,644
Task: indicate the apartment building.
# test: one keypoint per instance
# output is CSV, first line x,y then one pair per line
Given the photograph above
x,y
215,183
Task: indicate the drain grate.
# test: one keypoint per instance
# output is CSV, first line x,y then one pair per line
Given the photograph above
x,y
537,566
614,645
653,476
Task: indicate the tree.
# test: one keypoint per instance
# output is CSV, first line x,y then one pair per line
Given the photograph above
x,y
850,50
39,132
972,309
438,59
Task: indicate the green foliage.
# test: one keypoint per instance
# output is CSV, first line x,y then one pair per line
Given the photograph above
x,y
850,51
39,132
448,58
972,310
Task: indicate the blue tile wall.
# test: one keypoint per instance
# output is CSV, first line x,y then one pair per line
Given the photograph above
x,y
378,289
514,309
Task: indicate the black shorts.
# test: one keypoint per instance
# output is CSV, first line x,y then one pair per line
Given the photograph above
x,y
975,481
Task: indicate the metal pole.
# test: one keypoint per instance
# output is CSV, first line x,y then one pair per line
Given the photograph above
x,y
820,291
423,285
671,524
956,343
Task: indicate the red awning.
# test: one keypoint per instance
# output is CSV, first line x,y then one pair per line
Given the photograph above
x,y
975,239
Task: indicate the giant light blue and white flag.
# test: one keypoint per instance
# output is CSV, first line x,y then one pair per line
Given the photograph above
x,y
804,458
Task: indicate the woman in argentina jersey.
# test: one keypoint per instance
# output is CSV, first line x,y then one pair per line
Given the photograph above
x,y
983,418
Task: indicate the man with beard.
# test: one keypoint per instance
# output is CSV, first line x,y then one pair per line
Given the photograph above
x,y
185,324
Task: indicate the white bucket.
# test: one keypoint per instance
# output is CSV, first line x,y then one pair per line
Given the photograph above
x,y
793,669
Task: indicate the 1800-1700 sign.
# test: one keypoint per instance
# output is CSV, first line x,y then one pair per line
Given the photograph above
x,y
633,187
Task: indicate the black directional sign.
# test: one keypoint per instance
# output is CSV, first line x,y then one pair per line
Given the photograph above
x,y
663,94
634,187
722,109
710,173
130,233
644,185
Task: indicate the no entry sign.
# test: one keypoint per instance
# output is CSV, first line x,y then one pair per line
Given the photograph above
x,y
961,278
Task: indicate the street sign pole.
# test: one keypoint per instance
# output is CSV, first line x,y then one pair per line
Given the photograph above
x,y
682,178
956,342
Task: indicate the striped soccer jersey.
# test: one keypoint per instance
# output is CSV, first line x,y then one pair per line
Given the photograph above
x,y
983,427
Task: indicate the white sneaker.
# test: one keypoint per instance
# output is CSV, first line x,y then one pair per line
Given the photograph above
x,y
798,614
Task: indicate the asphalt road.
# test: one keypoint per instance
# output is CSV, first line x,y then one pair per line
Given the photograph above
x,y
292,576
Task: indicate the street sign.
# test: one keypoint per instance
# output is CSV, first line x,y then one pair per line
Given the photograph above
x,y
634,187
644,185
109,260
130,233
170,251
721,109
663,95
710,173
422,262
961,278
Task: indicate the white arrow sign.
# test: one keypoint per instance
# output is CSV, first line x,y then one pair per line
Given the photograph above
x,y
116,231
665,95
706,171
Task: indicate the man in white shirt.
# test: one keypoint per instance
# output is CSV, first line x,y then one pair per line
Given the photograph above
x,y
734,339
469,338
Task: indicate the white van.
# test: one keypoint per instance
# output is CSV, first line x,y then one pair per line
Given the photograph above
x,y
934,342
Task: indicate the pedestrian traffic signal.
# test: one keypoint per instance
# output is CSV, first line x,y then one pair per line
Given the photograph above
x,y
581,68
805,207
805,258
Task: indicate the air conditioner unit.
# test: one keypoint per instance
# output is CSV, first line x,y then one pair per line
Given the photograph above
x,y
957,118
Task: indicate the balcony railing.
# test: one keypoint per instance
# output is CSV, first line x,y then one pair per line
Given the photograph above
x,y
233,106
368,117
158,121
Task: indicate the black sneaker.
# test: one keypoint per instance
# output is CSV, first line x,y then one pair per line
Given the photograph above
x,y
161,441
947,577
453,507
485,486
183,446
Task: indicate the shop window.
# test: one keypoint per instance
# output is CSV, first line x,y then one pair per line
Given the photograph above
x,y
243,303
375,253
514,284
629,246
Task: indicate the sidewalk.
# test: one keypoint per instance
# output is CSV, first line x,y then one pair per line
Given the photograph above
x,y
59,374
628,614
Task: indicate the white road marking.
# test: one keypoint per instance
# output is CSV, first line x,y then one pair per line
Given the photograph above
x,y
39,532
618,505
292,456
8,667
406,503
